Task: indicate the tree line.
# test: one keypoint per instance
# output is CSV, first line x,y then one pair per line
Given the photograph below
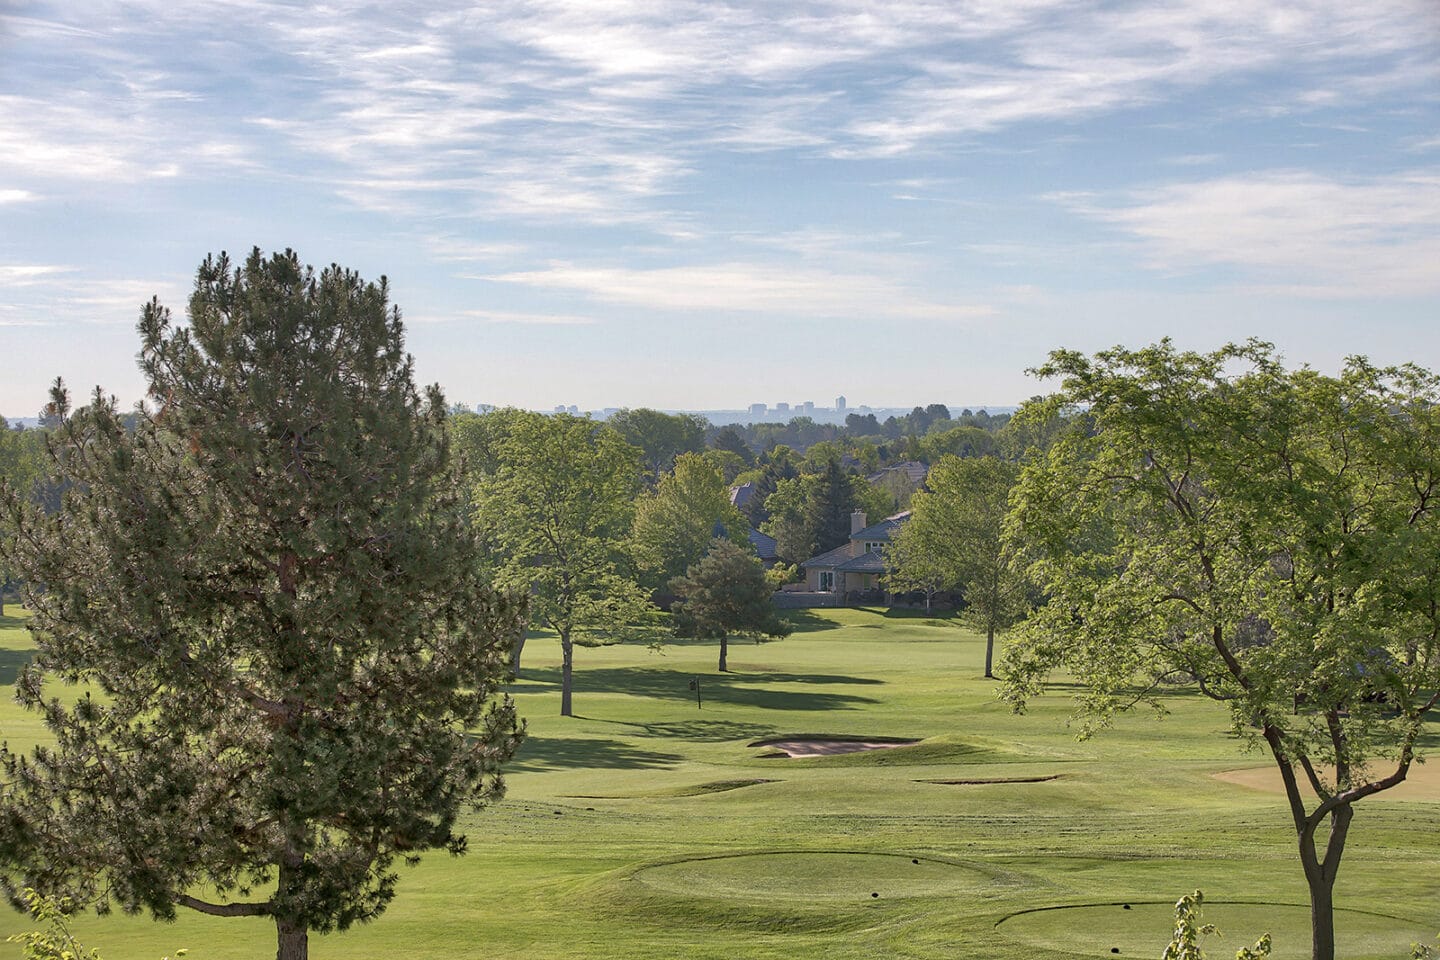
x,y
293,587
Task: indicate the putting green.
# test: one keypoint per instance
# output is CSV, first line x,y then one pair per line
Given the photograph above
x,y
1143,930
812,877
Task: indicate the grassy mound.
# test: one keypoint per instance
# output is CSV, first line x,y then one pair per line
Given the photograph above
x,y
1142,930
811,877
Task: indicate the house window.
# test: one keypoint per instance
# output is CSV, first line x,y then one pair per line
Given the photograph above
x,y
874,546
827,581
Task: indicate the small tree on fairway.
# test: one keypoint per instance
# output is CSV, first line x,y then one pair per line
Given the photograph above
x,y
956,535
290,667
1270,536
726,594
558,506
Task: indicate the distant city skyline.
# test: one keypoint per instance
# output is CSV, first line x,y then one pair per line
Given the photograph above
x,y
686,205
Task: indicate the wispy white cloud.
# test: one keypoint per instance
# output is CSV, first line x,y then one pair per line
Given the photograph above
x,y
30,274
1292,231
527,319
602,112
16,196
744,287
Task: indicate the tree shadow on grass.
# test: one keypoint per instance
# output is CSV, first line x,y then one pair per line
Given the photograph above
x,y
695,731
7,621
735,689
558,753
803,621
11,663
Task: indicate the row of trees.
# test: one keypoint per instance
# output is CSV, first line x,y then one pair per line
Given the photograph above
x,y
1267,537
291,611
564,514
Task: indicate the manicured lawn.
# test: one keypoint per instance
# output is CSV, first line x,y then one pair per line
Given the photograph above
x,y
647,827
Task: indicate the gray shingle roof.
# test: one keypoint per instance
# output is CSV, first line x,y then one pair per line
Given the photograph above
x,y
865,563
830,558
764,545
881,530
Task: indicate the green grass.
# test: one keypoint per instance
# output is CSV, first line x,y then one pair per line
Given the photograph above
x,y
648,828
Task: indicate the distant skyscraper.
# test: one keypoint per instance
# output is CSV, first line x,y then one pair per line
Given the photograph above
x,y
839,404
808,406
757,410
782,408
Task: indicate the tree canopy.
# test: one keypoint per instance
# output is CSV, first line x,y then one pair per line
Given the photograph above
x,y
726,594
1269,536
557,509
661,437
674,524
288,666
810,514
955,537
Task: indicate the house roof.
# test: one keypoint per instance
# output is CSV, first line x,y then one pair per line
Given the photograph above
x,y
873,562
830,558
881,530
741,494
870,562
764,545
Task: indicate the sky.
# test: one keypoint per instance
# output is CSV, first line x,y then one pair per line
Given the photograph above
x,y
708,204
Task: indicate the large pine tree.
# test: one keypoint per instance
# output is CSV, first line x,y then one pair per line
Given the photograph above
x,y
266,592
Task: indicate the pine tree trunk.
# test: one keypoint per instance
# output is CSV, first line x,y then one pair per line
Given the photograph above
x,y
723,667
567,670
989,652
293,939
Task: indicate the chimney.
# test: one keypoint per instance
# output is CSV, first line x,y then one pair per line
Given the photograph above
x,y
857,522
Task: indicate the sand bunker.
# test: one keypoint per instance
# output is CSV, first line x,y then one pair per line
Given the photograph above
x,y
801,747
1423,782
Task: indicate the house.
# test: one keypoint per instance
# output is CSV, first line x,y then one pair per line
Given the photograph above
x,y
856,566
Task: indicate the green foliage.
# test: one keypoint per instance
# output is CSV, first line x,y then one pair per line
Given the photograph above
x,y
1185,942
55,941
955,540
676,522
810,514
726,594
661,437
557,509
781,574
1268,535
728,440
961,441
729,465
288,667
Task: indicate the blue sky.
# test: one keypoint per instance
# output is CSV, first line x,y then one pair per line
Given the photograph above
x,y
708,204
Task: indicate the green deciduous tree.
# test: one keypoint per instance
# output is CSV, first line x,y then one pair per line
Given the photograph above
x,y
810,514
675,524
661,437
726,594
558,508
1270,536
267,591
956,536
